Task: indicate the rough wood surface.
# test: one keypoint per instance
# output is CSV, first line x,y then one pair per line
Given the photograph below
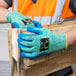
x,y
46,64
51,65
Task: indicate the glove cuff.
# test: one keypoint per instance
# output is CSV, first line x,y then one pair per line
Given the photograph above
x,y
59,42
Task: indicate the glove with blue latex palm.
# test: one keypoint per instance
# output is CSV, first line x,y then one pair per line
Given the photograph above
x,y
20,21
41,43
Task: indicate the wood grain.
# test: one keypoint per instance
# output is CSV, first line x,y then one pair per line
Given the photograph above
x,y
46,64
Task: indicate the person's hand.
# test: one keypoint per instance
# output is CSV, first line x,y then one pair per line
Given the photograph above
x,y
41,43
20,21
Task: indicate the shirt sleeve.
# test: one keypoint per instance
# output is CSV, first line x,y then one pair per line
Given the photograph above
x,y
9,2
72,6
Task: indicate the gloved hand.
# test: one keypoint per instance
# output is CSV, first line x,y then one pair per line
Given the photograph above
x,y
20,21
41,43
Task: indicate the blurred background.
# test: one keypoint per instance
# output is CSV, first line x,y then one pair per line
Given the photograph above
x,y
5,66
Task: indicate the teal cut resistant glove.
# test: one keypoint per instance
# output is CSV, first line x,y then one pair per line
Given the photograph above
x,y
41,43
20,21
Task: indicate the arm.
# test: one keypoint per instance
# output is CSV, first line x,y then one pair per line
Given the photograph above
x,y
15,18
3,11
71,37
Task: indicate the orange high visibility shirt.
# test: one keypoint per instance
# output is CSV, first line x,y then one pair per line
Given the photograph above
x,y
44,11
67,13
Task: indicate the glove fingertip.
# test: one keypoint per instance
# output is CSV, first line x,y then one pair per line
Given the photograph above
x,y
15,24
30,28
37,24
26,55
19,46
20,35
18,40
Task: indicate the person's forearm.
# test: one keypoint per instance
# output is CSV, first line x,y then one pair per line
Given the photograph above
x,y
71,37
3,14
3,11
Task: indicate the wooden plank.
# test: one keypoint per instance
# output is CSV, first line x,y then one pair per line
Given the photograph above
x,y
56,30
61,24
52,65
10,44
48,63
49,66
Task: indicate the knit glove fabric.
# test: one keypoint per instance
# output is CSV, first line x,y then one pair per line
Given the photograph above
x,y
41,43
20,21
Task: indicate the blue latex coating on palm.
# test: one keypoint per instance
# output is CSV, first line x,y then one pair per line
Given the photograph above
x,y
30,44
